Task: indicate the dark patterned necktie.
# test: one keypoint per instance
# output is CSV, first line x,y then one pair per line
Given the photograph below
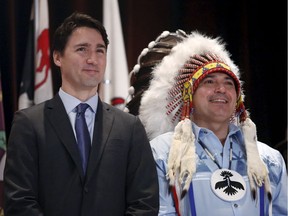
x,y
82,134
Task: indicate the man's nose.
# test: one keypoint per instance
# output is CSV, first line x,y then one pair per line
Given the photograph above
x,y
220,88
92,58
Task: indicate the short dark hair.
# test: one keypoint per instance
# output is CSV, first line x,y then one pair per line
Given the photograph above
x,y
74,21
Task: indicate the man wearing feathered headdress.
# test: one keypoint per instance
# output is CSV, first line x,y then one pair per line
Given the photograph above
x,y
205,145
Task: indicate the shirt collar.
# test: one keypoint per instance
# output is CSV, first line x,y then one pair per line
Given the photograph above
x,y
234,131
70,102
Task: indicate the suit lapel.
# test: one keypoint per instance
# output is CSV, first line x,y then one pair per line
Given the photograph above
x,y
103,124
57,116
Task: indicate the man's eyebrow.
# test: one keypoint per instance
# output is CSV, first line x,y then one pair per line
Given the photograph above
x,y
88,45
82,44
101,46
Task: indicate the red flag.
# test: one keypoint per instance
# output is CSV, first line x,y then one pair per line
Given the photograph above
x,y
2,148
37,70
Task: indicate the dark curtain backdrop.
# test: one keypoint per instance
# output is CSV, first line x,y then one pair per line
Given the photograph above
x,y
256,33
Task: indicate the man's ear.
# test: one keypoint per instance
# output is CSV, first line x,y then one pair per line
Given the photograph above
x,y
56,58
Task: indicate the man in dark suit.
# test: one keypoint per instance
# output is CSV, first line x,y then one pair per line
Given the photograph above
x,y
44,172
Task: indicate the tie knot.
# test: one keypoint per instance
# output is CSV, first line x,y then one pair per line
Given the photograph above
x,y
81,108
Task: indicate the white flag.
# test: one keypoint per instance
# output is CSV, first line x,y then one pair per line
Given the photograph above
x,y
36,85
115,85
43,76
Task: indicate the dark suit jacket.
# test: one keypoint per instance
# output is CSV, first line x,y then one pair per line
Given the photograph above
x,y
43,174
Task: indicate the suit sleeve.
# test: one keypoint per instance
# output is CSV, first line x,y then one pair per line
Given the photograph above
x,y
143,188
21,169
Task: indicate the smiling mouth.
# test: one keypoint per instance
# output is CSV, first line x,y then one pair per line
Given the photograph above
x,y
219,101
90,71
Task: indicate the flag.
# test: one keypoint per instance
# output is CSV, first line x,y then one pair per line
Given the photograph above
x,y
115,85
36,85
26,94
2,148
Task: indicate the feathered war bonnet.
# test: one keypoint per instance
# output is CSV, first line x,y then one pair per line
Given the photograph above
x,y
166,106
148,59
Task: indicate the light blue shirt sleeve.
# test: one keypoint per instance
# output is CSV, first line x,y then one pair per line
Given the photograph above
x,y
160,153
278,178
